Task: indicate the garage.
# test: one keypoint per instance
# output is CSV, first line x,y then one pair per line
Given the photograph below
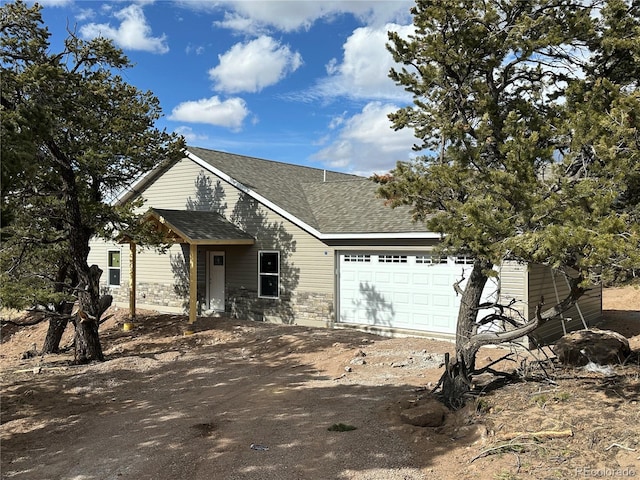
x,y
400,290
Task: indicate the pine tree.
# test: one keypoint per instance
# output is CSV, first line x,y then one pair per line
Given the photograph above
x,y
528,116
74,135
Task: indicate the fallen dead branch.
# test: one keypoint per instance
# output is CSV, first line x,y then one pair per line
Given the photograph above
x,y
548,434
507,447
619,446
27,323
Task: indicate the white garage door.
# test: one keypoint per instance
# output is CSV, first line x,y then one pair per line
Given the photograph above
x,y
400,290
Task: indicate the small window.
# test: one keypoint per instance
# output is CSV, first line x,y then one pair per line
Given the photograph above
x,y
358,258
464,260
392,259
431,260
269,274
113,272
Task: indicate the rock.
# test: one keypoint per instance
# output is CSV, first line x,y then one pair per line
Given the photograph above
x,y
602,347
429,414
476,433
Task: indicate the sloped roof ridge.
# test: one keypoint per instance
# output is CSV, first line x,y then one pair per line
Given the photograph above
x,y
276,162
342,180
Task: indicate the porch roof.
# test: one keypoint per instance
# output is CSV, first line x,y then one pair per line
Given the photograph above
x,y
198,227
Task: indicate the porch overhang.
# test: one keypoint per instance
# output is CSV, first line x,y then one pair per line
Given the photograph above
x,y
195,228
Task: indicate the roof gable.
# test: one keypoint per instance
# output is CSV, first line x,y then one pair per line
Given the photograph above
x,y
328,205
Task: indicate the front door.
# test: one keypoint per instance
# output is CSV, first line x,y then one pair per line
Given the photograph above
x,y
215,283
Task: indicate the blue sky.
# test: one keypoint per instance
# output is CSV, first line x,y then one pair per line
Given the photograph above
x,y
300,81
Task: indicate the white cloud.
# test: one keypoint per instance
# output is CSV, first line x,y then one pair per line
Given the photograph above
x,y
190,136
54,3
229,113
196,49
252,66
364,69
253,17
366,143
134,33
85,14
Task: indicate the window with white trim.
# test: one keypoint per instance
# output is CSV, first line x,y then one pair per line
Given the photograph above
x,y
113,268
464,260
357,258
430,260
269,274
392,259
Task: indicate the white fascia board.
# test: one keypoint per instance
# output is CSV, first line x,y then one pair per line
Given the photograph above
x,y
388,236
295,220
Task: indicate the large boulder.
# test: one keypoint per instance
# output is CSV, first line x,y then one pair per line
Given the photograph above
x,y
603,347
430,413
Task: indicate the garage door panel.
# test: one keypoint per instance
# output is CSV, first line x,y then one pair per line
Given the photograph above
x,y
383,277
441,280
441,301
442,322
420,279
365,276
398,291
421,300
402,298
348,276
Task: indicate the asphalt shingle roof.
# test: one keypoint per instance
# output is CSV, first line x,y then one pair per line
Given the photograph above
x,y
202,226
354,207
330,202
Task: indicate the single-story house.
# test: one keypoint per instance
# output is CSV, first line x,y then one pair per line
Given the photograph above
x,y
271,241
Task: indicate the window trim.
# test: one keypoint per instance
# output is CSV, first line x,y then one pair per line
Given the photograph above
x,y
110,268
266,274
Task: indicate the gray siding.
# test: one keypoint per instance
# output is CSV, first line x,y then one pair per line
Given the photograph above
x,y
513,286
542,284
156,288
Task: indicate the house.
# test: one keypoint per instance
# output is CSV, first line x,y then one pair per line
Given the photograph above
x,y
276,242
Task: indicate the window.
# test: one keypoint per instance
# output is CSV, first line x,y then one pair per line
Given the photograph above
x,y
392,259
357,258
113,271
268,274
430,260
464,260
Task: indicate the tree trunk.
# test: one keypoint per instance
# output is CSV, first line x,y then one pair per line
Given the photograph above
x,y
456,381
87,340
57,326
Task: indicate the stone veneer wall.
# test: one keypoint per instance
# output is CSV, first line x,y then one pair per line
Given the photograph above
x,y
303,309
161,295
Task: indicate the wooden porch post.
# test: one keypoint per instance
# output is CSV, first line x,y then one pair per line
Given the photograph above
x,y
132,281
193,282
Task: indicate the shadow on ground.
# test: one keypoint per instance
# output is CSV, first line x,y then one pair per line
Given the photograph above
x,y
193,408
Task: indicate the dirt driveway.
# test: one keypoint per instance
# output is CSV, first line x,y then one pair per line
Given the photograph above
x,y
246,400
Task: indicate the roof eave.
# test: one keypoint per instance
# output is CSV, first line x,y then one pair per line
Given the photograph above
x,y
380,236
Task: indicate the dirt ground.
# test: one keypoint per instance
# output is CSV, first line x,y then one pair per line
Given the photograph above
x,y
247,400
